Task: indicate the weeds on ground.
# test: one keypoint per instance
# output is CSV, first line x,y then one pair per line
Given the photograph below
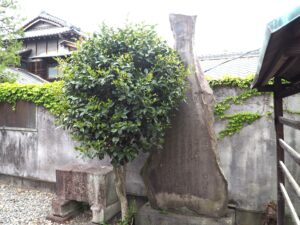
x,y
129,219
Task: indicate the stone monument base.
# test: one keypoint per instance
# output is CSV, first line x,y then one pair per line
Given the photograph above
x,y
149,216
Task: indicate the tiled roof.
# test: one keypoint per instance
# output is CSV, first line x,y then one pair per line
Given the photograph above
x,y
47,32
61,26
237,64
25,77
47,16
24,52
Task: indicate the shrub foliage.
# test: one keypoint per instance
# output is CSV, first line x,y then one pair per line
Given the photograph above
x,y
9,34
121,86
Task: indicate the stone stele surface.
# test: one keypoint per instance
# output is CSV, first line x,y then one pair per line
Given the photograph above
x,y
186,174
83,183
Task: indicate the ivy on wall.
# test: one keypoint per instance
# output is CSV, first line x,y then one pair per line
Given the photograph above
x,y
225,104
235,121
231,81
48,95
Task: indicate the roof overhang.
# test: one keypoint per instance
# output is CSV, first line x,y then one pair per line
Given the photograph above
x,y
280,54
43,56
25,52
41,20
48,32
46,17
25,77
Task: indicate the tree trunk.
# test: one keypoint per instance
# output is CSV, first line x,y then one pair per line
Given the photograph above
x,y
120,182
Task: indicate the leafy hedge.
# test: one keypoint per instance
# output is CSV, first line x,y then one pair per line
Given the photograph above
x,y
231,81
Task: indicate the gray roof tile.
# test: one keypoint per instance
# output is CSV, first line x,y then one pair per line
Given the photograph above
x,y
236,64
62,27
25,77
46,32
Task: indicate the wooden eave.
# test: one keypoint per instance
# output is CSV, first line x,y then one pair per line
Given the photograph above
x,y
280,55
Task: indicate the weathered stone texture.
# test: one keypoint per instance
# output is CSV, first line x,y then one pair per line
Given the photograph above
x,y
186,175
83,183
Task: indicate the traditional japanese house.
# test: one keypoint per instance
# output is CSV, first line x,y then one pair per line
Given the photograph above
x,y
45,38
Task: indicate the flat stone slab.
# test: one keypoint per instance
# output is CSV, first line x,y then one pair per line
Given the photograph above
x,y
149,216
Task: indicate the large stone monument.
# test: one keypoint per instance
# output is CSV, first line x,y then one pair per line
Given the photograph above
x,y
185,177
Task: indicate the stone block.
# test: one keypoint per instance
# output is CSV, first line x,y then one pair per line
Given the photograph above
x,y
64,208
90,184
149,216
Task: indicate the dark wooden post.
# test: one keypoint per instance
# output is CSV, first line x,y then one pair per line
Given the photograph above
x,y
278,112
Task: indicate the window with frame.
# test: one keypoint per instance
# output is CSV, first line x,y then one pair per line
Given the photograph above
x,y
52,71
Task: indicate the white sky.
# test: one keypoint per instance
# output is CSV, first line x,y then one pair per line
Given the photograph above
x,y
222,25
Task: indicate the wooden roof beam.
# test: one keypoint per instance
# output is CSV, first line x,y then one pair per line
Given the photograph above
x,y
275,66
290,90
293,49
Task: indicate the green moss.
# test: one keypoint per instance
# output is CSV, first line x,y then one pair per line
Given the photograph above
x,y
48,95
295,112
269,113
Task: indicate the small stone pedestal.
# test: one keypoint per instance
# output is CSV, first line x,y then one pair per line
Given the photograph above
x,y
83,183
149,216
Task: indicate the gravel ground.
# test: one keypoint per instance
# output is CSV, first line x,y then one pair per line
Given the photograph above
x,y
20,206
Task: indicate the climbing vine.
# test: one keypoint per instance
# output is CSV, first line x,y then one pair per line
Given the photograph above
x,y
225,104
236,121
48,95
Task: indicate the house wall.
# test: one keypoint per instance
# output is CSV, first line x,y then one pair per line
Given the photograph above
x,y
52,46
30,45
42,25
46,47
42,55
247,158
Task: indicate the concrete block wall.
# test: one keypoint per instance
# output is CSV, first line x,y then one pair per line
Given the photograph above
x,y
247,158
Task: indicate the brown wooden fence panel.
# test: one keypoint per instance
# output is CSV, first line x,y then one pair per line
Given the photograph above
x,y
23,116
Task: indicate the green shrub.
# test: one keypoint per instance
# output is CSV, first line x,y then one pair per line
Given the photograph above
x,y
121,86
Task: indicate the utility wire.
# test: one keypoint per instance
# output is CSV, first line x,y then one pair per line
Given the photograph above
x,y
229,60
